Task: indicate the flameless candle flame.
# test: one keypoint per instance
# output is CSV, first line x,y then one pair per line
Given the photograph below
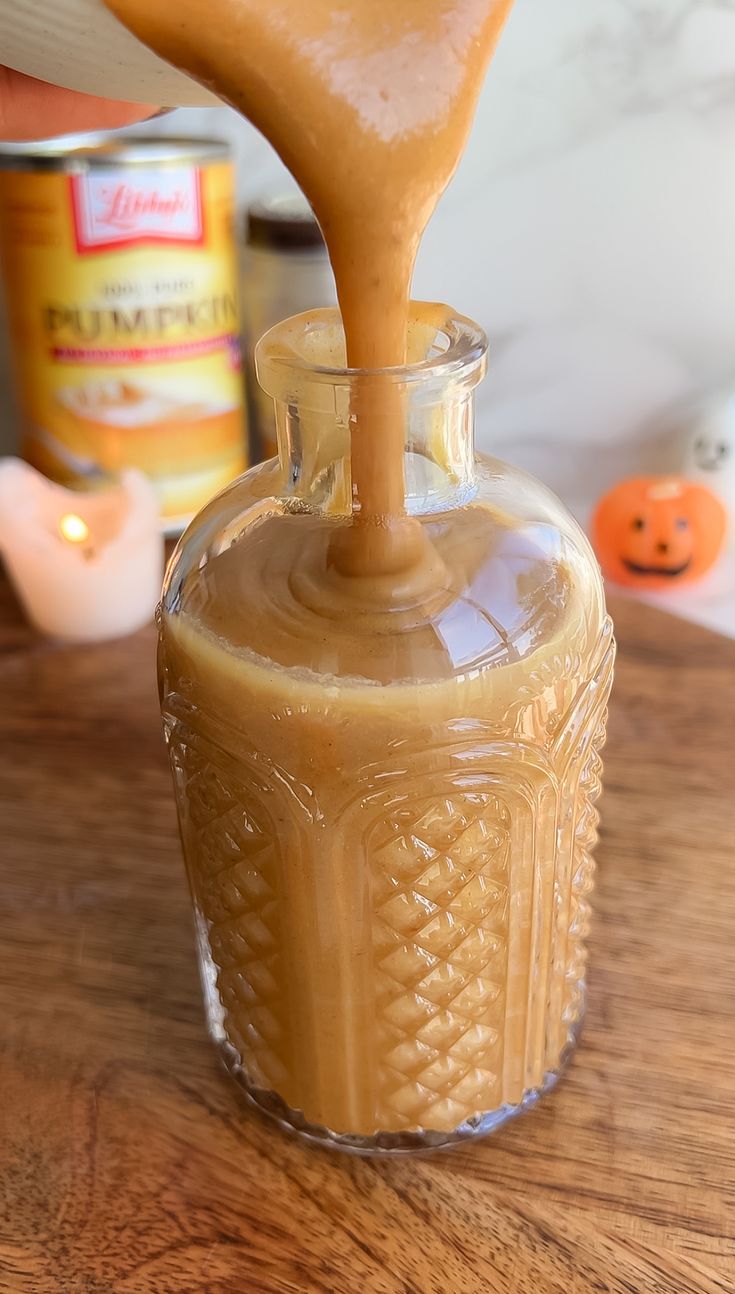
x,y
74,529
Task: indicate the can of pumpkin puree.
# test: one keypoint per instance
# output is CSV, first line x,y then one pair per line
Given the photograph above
x,y
119,262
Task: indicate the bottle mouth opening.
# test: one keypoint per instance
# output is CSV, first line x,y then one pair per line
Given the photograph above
x,y
310,347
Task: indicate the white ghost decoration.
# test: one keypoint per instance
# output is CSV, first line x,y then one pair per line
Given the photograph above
x,y
708,450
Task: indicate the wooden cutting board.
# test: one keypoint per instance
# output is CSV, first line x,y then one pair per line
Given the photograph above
x,y
128,1163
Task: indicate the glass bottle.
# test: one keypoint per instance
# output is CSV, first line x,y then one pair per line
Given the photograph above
x,y
386,784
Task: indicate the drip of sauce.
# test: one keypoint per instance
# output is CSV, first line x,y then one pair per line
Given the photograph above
x,y
369,103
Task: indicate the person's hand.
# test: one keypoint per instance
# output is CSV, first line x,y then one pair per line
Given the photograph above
x,y
31,109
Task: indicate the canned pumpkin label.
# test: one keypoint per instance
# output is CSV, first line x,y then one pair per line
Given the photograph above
x,y
124,323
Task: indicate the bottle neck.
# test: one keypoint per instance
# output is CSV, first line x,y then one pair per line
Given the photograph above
x,y
315,446
329,417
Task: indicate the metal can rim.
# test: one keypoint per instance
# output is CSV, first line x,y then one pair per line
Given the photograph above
x,y
98,151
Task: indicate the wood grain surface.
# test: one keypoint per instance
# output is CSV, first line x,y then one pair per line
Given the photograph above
x,y
128,1163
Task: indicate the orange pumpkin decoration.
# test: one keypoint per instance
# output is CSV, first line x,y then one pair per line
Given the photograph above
x,y
651,532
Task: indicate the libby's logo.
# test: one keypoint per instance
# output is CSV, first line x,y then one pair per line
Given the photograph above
x,y
118,207
127,207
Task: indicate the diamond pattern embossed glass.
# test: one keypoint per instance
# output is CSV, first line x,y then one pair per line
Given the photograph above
x,y
386,783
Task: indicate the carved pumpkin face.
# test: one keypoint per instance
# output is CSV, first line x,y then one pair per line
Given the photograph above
x,y
651,532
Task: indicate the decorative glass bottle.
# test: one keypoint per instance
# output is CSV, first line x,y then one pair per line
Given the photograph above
x,y
386,781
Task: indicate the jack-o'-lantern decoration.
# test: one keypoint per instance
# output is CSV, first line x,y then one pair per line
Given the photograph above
x,y
652,532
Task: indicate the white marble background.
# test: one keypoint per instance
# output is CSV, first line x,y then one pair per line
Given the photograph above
x,y
590,229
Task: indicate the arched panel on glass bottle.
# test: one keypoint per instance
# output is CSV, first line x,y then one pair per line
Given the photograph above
x,y
240,818
577,743
457,877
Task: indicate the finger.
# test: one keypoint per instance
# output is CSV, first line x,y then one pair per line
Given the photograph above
x,y
31,109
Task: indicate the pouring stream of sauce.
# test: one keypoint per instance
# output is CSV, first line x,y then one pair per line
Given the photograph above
x,y
369,104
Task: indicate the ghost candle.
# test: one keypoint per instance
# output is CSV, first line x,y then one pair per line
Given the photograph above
x,y
708,450
86,566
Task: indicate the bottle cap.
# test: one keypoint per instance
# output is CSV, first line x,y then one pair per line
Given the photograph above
x,y
283,222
